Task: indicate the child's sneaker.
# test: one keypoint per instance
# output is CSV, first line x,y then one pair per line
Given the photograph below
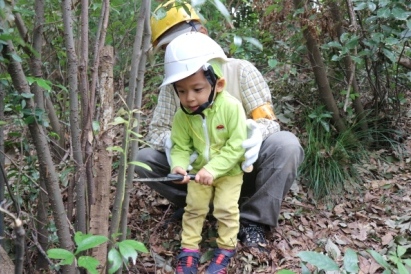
x,y
220,261
187,262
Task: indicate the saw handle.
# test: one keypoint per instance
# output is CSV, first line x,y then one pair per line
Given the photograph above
x,y
179,177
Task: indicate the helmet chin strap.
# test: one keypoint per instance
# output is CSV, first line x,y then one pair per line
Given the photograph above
x,y
212,79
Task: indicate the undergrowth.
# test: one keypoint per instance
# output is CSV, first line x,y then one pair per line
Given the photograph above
x,y
331,157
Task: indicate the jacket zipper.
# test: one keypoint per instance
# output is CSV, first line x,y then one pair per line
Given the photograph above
x,y
207,140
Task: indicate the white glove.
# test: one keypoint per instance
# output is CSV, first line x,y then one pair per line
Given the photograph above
x,y
252,145
193,157
168,144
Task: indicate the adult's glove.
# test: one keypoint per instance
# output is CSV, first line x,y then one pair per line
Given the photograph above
x,y
168,144
167,149
252,145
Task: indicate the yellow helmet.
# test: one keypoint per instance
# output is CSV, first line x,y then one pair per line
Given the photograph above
x,y
168,15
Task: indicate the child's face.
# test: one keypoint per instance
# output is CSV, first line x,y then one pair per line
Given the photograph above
x,y
194,90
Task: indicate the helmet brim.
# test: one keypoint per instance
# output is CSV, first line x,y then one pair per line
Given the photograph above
x,y
168,37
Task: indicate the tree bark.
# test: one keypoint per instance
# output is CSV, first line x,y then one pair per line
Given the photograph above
x,y
405,62
318,68
100,209
46,165
2,159
35,68
6,264
81,211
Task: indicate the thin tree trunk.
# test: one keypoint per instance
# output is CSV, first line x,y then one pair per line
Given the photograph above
x,y
46,165
319,70
145,9
74,119
2,159
87,139
349,65
6,264
86,104
35,67
118,206
59,145
99,213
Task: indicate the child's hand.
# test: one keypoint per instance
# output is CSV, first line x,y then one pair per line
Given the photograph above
x,y
204,177
182,171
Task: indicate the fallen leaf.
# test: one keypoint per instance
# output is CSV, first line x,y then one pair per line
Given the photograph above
x,y
387,238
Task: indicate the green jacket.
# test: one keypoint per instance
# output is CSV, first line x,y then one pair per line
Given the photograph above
x,y
217,138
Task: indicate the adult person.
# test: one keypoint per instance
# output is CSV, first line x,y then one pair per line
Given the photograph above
x,y
274,154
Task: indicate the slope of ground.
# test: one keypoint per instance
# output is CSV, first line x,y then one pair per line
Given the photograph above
x,y
373,216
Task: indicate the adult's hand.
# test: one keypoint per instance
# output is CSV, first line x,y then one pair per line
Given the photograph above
x,y
180,170
252,145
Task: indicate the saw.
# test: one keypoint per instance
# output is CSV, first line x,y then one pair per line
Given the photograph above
x,y
168,178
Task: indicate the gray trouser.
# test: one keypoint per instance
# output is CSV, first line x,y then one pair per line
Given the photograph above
x,y
263,189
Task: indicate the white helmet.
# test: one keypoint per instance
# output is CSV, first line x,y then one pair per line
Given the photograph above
x,y
187,53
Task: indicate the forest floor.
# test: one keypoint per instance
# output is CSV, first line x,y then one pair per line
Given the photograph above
x,y
375,215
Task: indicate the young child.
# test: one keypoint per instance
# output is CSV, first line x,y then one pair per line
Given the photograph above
x,y
211,123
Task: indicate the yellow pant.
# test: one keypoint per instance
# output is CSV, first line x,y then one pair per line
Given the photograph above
x,y
224,194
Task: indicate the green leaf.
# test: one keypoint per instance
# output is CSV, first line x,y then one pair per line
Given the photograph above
x,y
351,261
89,263
357,60
96,126
43,83
115,260
379,259
160,13
141,164
407,262
402,269
325,125
16,57
118,121
361,6
384,12
401,250
334,44
135,134
27,95
223,10
285,271
2,123
335,58
127,251
115,148
399,13
304,269
206,256
254,42
238,41
139,246
272,63
371,6
352,42
321,261
88,241
390,55
391,41
61,254
383,3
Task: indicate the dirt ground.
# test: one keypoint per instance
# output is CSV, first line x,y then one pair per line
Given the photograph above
x,y
375,215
